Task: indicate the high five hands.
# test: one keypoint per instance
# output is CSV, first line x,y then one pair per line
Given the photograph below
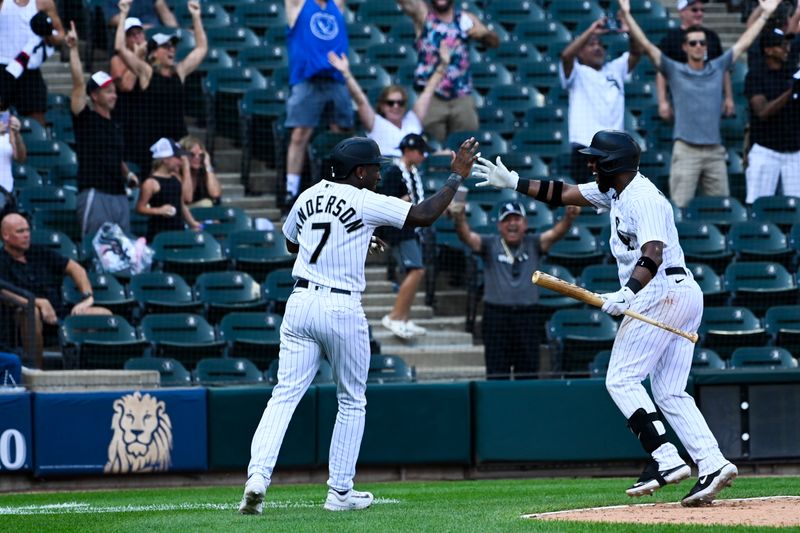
x,y
495,174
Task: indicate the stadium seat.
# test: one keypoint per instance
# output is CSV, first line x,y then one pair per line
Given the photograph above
x,y
258,252
384,368
382,14
95,341
499,120
589,217
513,53
554,117
363,35
232,39
657,27
107,290
703,242
162,292
320,148
598,367
706,359
714,294
212,14
547,143
32,131
783,325
48,197
261,16
538,214
391,56
487,75
723,329
490,141
57,241
277,288
575,13
543,75
25,176
766,357
732,128
510,13
265,59
217,371
784,211
370,76
525,164
721,211
759,241
185,336
655,165
489,199
548,36
63,220
172,372
760,285
576,250
577,335
640,95
551,300
600,278
223,89
260,110
188,253
59,123
222,220
255,336
193,84
223,292
324,375
401,31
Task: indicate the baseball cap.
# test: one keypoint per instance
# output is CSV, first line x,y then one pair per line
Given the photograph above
x,y
132,22
160,39
166,148
98,80
683,4
510,208
415,141
773,37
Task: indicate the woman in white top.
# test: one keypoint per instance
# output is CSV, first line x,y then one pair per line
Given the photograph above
x,y
393,119
12,147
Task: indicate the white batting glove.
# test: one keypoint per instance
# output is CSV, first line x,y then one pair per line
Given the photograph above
x,y
495,175
616,303
376,246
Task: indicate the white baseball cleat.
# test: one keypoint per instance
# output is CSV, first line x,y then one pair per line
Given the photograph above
x,y
253,499
397,327
415,329
352,500
708,486
653,480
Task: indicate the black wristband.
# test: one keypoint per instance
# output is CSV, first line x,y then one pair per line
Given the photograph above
x,y
523,185
634,285
558,189
649,264
544,187
454,181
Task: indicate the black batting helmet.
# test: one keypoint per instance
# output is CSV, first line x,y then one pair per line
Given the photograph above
x,y
617,152
351,153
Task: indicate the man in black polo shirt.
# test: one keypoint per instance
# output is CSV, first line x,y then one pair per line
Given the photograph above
x,y
102,172
691,13
774,97
41,271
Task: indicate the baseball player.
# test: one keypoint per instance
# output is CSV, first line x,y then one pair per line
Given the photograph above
x,y
656,283
330,227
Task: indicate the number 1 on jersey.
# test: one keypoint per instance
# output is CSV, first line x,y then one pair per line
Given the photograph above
x,y
326,232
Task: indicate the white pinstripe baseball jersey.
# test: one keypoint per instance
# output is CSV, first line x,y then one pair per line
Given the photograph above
x,y
639,215
333,223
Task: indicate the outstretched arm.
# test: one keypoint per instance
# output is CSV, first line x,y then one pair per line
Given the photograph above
x,y
77,100
138,65
636,33
465,234
480,32
417,10
747,38
554,234
49,7
424,101
568,55
365,111
196,56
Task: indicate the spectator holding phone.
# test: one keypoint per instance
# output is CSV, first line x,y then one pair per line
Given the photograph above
x,y
12,147
201,187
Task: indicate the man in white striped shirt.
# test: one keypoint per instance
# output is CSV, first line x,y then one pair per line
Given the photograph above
x,y
655,283
330,227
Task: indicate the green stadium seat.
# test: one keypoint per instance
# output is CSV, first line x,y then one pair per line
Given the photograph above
x,y
598,367
784,211
46,155
760,285
94,341
489,199
575,14
640,96
193,85
64,220
371,76
721,211
723,329
384,368
498,120
57,241
600,278
548,36
733,128
220,221
706,359
490,141
703,242
224,292
510,13
277,288
324,375
538,214
47,197
212,14
657,27
25,176
258,252
488,75
107,290
714,294
513,53
576,250
547,143
260,110
232,39
224,88
185,336
59,123
543,75
391,56
763,357
220,371
589,217
547,117
162,292
188,253
320,148
364,35
255,336
576,335
552,300
265,59
783,325
759,241
261,16
32,131
172,372
655,165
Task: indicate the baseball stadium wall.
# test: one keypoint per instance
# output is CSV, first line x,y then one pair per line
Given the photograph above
x,y
754,415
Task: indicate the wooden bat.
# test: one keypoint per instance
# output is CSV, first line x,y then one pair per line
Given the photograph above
x,y
573,291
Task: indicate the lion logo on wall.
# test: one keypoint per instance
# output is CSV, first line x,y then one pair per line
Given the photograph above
x,y
142,439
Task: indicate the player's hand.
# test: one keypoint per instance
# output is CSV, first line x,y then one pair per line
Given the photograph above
x,y
496,175
616,303
376,245
463,160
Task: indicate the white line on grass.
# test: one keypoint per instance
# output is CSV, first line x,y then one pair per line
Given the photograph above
x,y
88,508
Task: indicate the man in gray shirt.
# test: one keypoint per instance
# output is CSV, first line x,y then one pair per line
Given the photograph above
x,y
510,332
697,95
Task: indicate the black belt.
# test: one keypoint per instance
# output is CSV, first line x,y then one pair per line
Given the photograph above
x,y
303,284
671,271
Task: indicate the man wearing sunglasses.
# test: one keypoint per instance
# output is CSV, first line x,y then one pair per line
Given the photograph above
x,y
690,13
698,157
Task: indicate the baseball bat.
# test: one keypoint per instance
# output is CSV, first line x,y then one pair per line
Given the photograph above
x,y
573,291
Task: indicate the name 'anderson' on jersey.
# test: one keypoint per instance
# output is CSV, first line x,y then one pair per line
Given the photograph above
x,y
333,224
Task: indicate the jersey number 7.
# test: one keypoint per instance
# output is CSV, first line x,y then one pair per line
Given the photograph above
x,y
326,232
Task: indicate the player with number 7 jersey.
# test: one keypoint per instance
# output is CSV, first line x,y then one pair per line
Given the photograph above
x,y
330,227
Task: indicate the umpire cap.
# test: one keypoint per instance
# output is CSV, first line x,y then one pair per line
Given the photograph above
x,y
617,151
353,152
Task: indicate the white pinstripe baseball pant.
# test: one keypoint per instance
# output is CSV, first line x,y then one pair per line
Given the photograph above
x,y
318,321
641,350
765,167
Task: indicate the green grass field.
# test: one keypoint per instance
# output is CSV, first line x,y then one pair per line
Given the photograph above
x,y
494,505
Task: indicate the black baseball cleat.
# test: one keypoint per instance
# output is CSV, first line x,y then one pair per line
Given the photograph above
x,y
653,479
707,487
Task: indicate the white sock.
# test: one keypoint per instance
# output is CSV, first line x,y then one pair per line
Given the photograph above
x,y
667,456
293,183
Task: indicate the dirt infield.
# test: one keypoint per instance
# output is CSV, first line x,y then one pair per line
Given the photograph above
x,y
776,511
